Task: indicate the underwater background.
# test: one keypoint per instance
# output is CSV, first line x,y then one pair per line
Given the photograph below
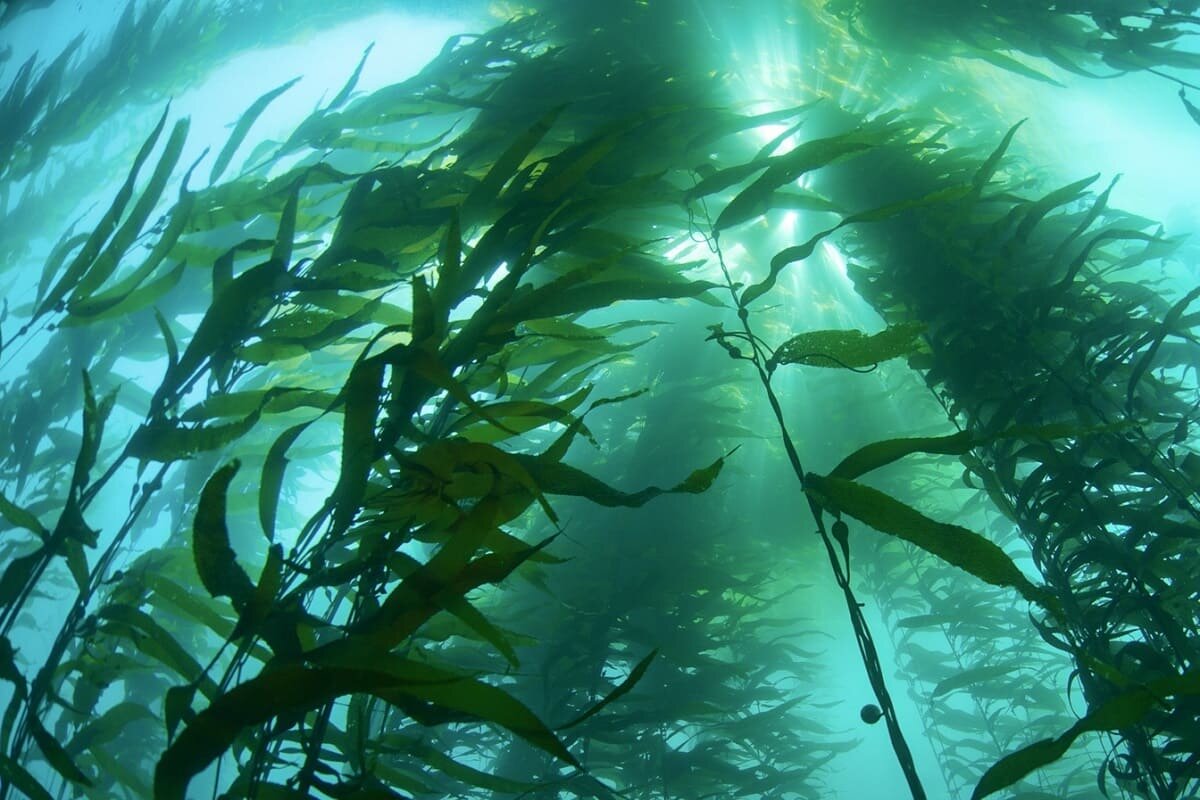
x,y
626,399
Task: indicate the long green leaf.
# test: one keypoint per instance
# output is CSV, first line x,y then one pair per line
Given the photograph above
x,y
215,560
295,689
953,544
274,466
971,677
91,249
243,127
20,779
878,454
623,688
55,754
1122,711
104,265
848,349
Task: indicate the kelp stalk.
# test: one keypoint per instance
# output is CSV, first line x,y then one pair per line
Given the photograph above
x,y
862,632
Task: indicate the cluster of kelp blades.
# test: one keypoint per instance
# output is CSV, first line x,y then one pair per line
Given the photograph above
x,y
1089,38
52,109
985,681
1054,321
535,213
355,665
1073,382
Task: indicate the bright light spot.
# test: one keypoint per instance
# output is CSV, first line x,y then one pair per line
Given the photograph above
x,y
836,260
787,224
500,274
686,250
768,133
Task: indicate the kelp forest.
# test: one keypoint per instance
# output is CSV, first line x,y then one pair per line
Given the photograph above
x,y
638,400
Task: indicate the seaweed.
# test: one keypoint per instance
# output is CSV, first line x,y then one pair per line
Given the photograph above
x,y
427,492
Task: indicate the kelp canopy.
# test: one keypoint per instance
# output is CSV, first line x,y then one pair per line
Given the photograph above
x,y
390,455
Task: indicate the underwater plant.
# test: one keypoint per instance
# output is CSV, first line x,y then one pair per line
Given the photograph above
x,y
386,458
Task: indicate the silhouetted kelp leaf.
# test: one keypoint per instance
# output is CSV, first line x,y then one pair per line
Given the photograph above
x,y
8,667
248,118
972,676
182,598
19,778
129,294
95,414
519,416
177,707
800,252
1120,712
106,262
124,298
1034,212
257,607
91,249
17,574
285,236
446,292
236,309
585,291
155,641
423,593
21,518
951,543
162,440
215,560
567,169
271,484
484,194
63,248
1168,326
342,96
476,621
362,396
878,454
55,754
1191,108
623,688
755,199
292,689
553,477
470,616
988,168
168,341
418,748
848,349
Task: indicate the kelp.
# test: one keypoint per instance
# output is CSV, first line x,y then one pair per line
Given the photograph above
x,y
401,357
1007,385
1090,38
405,473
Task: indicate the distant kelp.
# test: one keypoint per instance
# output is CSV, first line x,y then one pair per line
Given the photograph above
x,y
1034,343
15,8
1091,38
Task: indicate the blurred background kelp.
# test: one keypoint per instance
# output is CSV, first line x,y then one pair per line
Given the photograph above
x,y
376,426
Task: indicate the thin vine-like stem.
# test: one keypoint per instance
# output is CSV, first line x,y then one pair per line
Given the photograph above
x,y
862,632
